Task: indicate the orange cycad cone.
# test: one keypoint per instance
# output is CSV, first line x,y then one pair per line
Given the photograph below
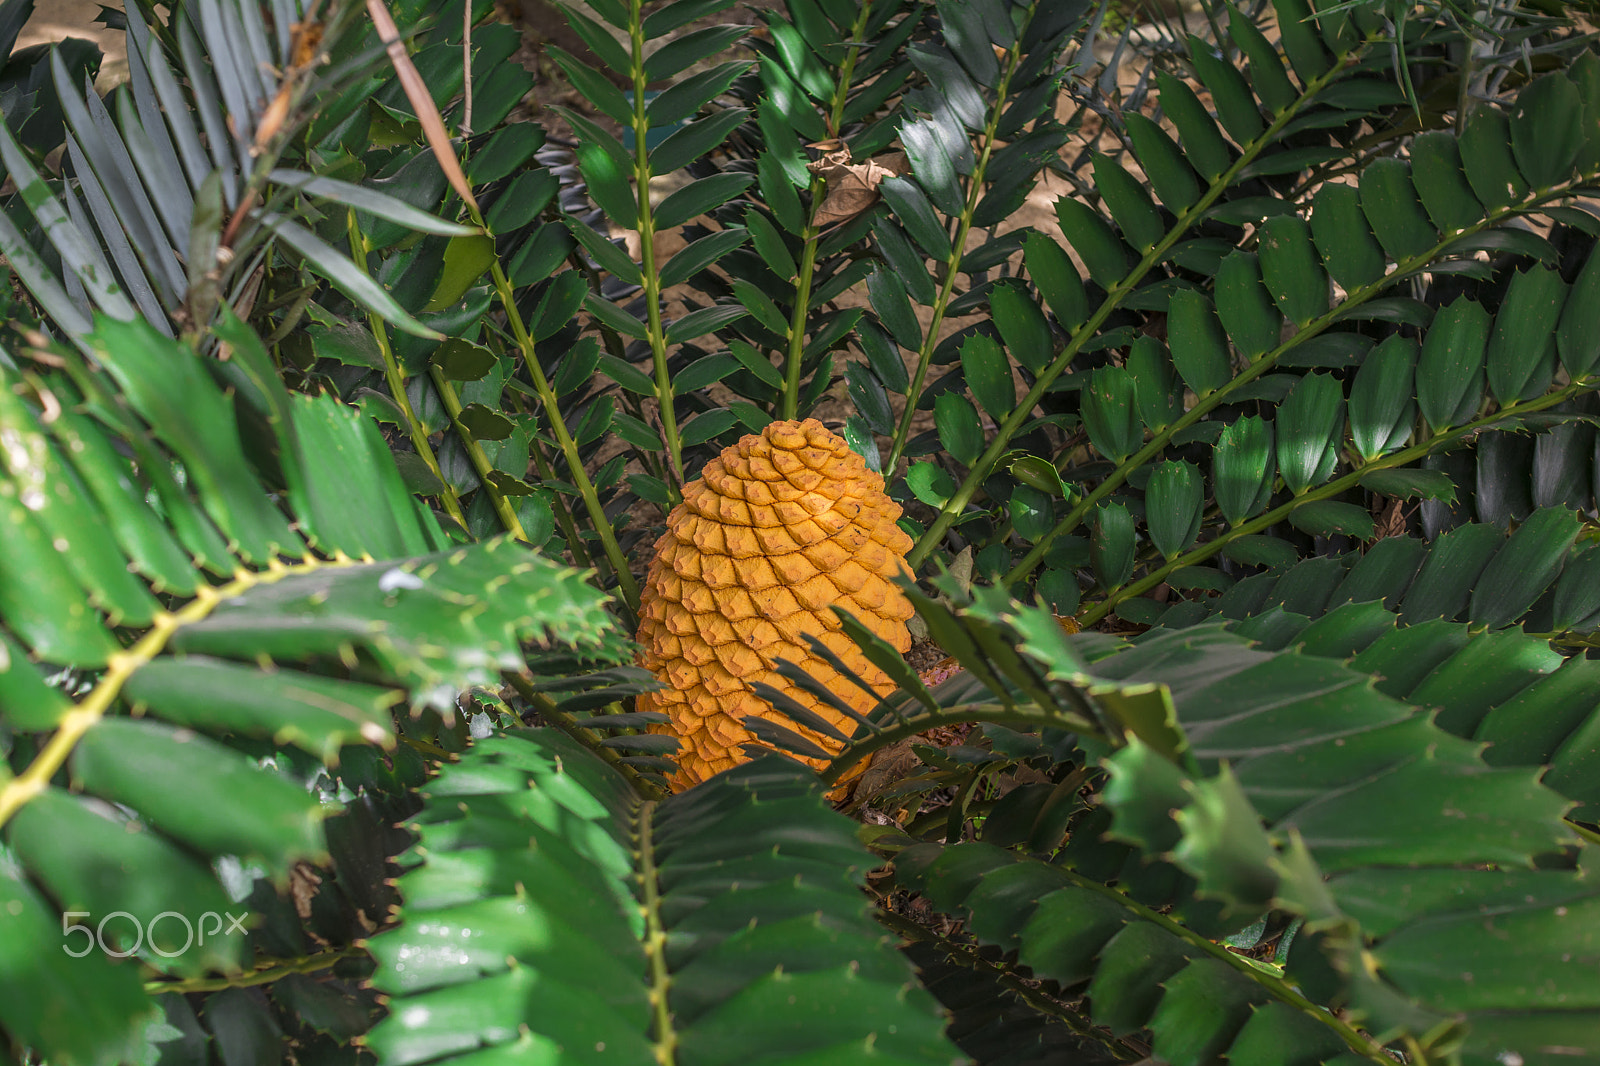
x,y
784,526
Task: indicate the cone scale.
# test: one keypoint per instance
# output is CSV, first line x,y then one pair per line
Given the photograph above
x,y
784,526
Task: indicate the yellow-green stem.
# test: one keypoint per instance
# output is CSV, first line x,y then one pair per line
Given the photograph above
x,y
395,378
930,339
121,666
569,531
475,452
811,236
1281,989
1223,395
574,728
1324,492
269,971
1012,422
558,428
647,255
655,941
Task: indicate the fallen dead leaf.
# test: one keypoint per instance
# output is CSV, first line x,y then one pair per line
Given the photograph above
x,y
851,187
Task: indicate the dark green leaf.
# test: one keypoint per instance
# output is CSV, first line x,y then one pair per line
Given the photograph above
x,y
1547,129
1174,499
539,255
929,483
771,246
1381,406
699,197
1031,513
1436,168
910,264
614,316
698,323
1207,151
693,139
1344,239
607,255
1300,40
1155,384
699,255
687,50
894,309
1310,428
1096,242
1244,306
686,97
988,375
522,200
663,20
1521,357
1112,545
1406,484
1244,466
1267,76
1110,413
1022,326
1236,105
1130,205
1291,269
595,88
1199,350
635,432
1521,570
911,207
1390,203
1449,574
1578,335
706,425
959,429
1169,173
1058,282
1450,373
1324,518
933,148
1486,156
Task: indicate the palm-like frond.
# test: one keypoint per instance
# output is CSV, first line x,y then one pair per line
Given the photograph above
x,y
196,606
554,911
1242,776
171,190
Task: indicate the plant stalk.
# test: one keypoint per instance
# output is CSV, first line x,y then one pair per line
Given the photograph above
x,y
647,255
480,461
15,793
558,429
270,971
930,338
395,378
1324,492
1084,333
655,941
811,236
1222,395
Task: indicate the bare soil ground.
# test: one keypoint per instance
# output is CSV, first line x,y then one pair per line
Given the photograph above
x,y
56,20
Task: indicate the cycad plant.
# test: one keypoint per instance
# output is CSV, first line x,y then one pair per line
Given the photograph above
x,y
1252,496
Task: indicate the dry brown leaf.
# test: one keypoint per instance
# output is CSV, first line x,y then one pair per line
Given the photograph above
x,y
887,767
304,882
1391,520
851,187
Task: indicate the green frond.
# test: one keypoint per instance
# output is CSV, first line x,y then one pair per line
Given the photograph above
x,y
201,617
555,912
